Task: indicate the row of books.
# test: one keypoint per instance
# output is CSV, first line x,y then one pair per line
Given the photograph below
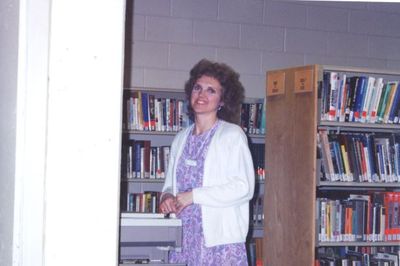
x,y
359,157
257,210
364,99
382,256
145,111
146,202
252,117
359,218
141,160
258,154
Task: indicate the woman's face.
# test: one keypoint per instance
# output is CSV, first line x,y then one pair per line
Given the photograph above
x,y
206,96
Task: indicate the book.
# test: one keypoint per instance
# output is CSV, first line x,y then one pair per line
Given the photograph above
x,y
244,117
383,102
368,99
138,110
158,114
138,147
153,162
346,163
252,118
393,89
375,99
160,163
343,88
393,110
260,110
180,115
173,121
348,142
391,259
263,118
333,97
357,149
326,155
353,86
145,110
360,97
392,225
152,112
146,159
371,152
324,94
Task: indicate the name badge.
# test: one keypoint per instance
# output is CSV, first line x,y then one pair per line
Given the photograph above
x,y
190,162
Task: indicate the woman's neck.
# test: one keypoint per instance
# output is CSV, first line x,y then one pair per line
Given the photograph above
x,y
204,123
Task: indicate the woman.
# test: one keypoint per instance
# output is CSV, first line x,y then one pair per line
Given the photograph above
x,y
210,176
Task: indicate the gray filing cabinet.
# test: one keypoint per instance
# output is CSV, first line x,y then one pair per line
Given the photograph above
x,y
148,239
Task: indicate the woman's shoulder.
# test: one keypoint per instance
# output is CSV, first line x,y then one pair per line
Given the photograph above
x,y
228,128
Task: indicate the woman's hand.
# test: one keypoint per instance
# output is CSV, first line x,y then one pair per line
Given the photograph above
x,y
183,200
167,204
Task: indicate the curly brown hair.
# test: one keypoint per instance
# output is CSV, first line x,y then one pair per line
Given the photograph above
x,y
232,89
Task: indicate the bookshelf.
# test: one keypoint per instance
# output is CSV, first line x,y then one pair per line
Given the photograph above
x,y
256,230
300,182
145,236
156,133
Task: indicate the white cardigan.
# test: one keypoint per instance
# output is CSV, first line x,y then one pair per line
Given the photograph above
x,y
228,184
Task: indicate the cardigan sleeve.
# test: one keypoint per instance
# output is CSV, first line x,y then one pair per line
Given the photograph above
x,y
229,172
176,149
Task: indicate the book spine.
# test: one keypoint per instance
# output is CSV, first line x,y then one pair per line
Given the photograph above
x,y
393,87
343,101
333,96
138,159
153,162
383,102
146,158
263,117
244,117
378,86
139,111
361,89
145,111
367,102
152,112
395,105
325,96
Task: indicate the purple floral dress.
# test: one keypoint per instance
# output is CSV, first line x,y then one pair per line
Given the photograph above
x,y
190,175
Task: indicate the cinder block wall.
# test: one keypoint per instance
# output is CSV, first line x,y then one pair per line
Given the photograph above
x,y
169,36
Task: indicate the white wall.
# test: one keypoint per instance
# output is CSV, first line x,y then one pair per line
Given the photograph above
x,y
8,99
253,36
84,132
31,111
61,72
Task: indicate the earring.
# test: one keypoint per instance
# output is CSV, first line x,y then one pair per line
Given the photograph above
x,y
220,107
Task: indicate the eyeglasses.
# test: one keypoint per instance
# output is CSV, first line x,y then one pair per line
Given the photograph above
x,y
210,91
